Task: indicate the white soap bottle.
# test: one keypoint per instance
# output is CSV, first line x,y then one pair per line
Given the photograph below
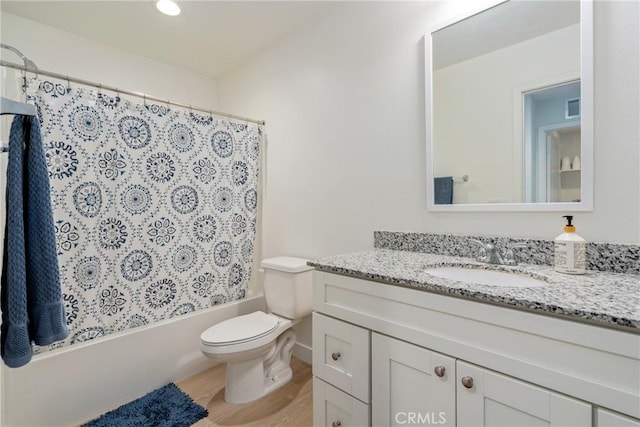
x,y
570,250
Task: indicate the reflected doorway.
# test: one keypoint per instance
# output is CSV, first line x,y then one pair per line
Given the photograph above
x,y
552,134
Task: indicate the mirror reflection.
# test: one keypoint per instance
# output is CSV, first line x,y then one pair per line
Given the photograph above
x,y
506,101
552,161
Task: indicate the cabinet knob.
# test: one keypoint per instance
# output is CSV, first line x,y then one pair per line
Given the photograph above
x,y
467,382
439,371
336,423
335,356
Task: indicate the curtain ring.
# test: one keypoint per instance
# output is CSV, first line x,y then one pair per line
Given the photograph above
x,y
24,83
144,99
68,82
100,89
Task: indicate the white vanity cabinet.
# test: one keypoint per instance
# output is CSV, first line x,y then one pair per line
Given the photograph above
x,y
501,367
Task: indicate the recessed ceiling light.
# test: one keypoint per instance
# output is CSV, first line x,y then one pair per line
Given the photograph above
x,y
168,7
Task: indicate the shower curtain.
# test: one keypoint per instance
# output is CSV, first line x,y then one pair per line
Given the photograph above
x,y
155,208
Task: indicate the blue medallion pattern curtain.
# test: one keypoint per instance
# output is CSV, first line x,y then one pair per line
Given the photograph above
x,y
154,207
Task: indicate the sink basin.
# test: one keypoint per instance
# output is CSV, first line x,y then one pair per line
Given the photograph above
x,y
485,277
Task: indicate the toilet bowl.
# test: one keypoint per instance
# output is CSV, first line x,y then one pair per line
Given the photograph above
x,y
257,347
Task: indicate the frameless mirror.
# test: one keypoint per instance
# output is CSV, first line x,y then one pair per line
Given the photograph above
x,y
510,108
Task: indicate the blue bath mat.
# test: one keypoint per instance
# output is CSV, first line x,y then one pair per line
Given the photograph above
x,y
167,406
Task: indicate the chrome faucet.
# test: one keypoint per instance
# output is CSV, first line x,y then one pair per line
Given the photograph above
x,y
491,254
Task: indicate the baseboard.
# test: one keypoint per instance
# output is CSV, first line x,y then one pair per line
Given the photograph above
x,y
302,352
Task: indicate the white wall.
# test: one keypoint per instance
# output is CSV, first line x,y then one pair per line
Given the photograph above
x,y
344,106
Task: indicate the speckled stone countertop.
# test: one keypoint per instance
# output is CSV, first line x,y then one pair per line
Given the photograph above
x,y
602,298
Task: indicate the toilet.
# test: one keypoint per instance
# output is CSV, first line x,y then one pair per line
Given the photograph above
x,y
257,347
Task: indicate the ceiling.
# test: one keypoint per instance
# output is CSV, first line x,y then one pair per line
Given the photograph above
x,y
208,37
501,26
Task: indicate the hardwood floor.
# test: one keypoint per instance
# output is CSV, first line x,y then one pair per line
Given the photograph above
x,y
290,405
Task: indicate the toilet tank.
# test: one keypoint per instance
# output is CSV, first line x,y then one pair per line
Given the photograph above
x,y
287,286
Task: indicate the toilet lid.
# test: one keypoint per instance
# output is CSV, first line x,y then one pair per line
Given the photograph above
x,y
241,328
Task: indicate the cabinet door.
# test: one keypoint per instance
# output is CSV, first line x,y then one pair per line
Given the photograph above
x,y
406,386
611,419
334,408
486,398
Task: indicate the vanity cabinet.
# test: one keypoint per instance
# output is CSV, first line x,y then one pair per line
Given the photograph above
x,y
439,360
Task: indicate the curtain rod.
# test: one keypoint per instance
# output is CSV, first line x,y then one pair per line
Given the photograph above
x,y
126,92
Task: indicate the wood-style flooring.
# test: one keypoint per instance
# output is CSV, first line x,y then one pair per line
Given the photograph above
x,y
291,405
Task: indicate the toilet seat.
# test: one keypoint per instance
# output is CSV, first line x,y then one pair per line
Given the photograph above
x,y
240,329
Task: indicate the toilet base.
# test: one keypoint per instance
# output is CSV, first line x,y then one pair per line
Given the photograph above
x,y
275,383
250,380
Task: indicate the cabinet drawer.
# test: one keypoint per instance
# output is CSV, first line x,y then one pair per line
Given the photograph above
x,y
341,355
335,408
611,419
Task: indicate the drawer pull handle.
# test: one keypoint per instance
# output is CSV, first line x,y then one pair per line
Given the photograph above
x,y
439,371
335,356
336,423
467,382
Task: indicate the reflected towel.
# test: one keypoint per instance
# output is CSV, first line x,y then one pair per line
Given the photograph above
x,y
443,190
32,307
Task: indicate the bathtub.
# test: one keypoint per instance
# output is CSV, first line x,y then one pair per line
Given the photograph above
x,y
69,386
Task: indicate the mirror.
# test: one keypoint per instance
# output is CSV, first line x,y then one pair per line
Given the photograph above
x,y
509,108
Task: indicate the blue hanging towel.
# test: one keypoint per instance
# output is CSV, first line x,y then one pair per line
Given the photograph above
x,y
32,307
443,190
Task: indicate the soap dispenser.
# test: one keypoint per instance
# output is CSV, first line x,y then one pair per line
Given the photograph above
x,y
570,250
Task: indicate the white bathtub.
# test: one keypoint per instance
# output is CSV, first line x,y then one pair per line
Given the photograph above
x,y
69,386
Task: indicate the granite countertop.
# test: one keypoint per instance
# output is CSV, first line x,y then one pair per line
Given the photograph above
x,y
602,298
